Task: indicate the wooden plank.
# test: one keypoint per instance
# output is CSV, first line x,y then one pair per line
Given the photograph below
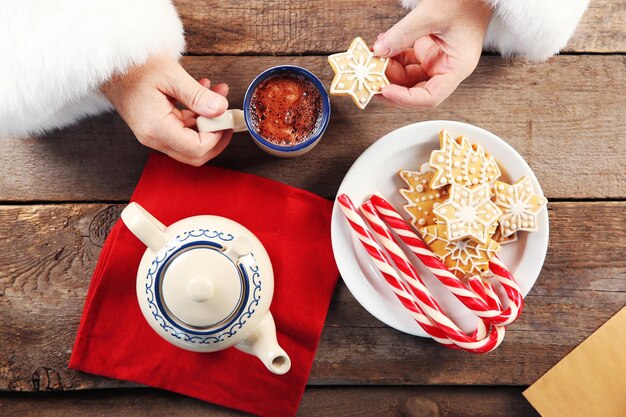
x,y
322,26
566,118
98,159
48,253
317,402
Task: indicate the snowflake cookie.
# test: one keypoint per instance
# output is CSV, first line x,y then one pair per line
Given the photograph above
x,y
519,204
460,162
420,197
464,258
358,73
469,213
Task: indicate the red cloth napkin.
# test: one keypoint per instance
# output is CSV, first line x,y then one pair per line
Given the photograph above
x,y
114,340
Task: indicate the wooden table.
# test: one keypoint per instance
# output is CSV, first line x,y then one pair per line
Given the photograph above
x,y
61,194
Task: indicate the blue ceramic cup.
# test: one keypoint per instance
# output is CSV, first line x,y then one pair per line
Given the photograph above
x,y
241,120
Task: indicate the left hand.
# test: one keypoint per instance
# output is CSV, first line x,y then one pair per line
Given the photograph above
x,y
145,97
433,49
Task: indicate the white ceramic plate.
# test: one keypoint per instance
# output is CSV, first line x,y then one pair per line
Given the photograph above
x,y
377,170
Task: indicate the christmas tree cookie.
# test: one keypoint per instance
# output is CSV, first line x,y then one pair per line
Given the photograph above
x,y
421,198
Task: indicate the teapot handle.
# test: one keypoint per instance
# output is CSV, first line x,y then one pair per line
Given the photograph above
x,y
143,225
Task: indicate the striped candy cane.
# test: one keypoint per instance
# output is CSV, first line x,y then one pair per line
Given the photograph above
x,y
389,273
485,291
506,278
424,298
477,304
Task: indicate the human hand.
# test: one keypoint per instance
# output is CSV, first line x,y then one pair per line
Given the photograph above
x,y
145,97
432,49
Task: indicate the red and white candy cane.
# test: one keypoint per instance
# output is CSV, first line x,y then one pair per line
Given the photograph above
x,y
485,291
506,278
424,298
389,273
475,303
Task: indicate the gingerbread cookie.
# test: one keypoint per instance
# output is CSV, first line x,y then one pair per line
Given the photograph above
x,y
421,197
497,236
358,73
469,213
519,205
460,162
463,258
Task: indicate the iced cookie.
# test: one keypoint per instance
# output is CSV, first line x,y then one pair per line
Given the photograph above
x,y
469,213
460,162
519,204
358,73
463,258
421,197
497,236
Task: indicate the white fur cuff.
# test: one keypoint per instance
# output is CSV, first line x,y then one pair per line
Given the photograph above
x,y
61,51
536,29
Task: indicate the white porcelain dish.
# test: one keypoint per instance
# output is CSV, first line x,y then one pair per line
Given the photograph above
x,y
376,170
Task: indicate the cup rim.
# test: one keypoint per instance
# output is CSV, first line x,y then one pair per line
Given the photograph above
x,y
312,140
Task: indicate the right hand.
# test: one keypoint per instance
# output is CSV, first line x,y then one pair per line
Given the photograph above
x,y
145,97
433,49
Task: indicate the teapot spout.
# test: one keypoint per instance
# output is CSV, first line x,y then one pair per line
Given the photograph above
x,y
262,343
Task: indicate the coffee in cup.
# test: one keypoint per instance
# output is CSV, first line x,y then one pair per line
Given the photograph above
x,y
285,109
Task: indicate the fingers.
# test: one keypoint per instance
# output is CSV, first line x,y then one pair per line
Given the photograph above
x,y
186,141
403,34
221,89
405,75
173,135
224,141
429,54
188,117
380,98
202,159
425,94
195,95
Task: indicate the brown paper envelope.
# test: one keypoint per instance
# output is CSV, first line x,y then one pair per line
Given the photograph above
x,y
590,381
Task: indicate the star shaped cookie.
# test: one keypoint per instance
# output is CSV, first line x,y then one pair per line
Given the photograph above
x,y
469,212
463,258
460,162
420,197
519,204
358,73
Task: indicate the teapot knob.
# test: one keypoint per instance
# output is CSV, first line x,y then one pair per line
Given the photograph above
x,y
239,247
200,289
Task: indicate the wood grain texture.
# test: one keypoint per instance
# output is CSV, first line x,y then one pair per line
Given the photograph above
x,y
322,26
566,118
49,252
317,402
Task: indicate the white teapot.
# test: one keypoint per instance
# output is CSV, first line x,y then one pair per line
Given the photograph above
x,y
205,283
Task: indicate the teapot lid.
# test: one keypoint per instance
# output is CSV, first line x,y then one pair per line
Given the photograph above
x,y
203,286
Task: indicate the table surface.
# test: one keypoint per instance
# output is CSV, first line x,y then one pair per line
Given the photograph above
x,y
59,196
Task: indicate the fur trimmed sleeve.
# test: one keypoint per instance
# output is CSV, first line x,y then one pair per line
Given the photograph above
x,y
536,29
56,54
